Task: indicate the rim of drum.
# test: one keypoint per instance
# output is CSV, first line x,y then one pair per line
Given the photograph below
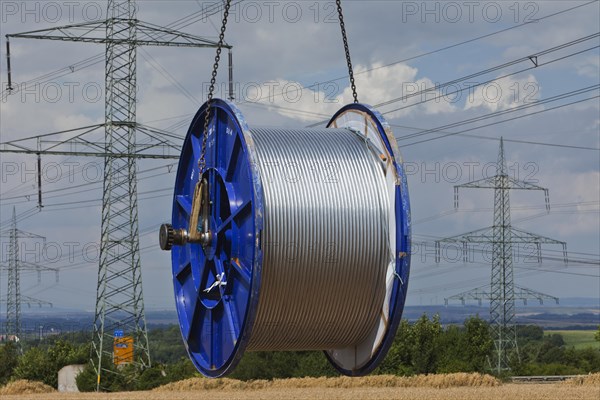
x,y
230,347
402,222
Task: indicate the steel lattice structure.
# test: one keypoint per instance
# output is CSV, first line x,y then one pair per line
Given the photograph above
x,y
502,292
14,298
119,300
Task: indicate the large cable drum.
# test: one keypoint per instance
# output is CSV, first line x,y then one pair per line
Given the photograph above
x,y
289,239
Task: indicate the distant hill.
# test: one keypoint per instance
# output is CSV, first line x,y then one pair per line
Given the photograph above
x,y
572,313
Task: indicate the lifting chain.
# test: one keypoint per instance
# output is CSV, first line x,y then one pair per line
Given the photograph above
x,y
213,79
202,160
347,50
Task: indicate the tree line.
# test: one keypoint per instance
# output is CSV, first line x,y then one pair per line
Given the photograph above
x,y
422,347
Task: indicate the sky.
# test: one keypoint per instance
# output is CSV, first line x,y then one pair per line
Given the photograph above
x,y
290,71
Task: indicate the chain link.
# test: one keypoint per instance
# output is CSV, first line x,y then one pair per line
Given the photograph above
x,y
347,49
213,79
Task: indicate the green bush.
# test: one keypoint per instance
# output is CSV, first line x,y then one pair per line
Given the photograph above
x,y
9,359
424,346
39,364
125,380
86,379
547,369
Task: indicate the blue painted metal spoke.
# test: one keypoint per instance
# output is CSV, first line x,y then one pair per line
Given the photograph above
x,y
241,271
184,261
185,202
232,319
232,158
197,336
196,144
246,207
194,312
215,316
185,299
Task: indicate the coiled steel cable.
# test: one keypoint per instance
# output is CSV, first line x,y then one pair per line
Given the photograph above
x,y
325,239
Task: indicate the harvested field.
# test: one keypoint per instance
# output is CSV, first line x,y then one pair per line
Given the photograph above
x,y
25,387
587,380
433,387
376,381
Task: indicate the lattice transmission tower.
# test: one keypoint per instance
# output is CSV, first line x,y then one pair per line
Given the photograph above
x,y
14,265
119,300
502,292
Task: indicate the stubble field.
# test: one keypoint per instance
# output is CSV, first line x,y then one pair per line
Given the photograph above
x,y
459,386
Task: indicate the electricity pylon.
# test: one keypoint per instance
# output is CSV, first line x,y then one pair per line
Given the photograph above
x,y
119,302
502,292
14,298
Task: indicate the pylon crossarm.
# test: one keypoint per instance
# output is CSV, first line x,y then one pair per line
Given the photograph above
x,y
491,183
521,236
485,183
170,37
31,143
160,132
480,293
525,294
96,154
31,266
80,145
89,128
161,139
21,234
94,32
523,185
65,32
483,235
30,300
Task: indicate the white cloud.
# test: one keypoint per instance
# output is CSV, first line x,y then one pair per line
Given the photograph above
x,y
581,189
504,94
377,85
589,67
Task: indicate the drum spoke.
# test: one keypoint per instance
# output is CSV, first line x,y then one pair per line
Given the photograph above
x,y
242,271
185,203
240,210
232,318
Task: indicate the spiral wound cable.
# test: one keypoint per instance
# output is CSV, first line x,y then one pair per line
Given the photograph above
x,y
324,240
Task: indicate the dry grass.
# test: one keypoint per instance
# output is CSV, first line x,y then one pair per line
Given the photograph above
x,y
25,387
379,381
591,379
431,387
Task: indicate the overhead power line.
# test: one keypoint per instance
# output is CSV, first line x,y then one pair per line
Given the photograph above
x,y
438,94
473,86
497,139
477,38
503,121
